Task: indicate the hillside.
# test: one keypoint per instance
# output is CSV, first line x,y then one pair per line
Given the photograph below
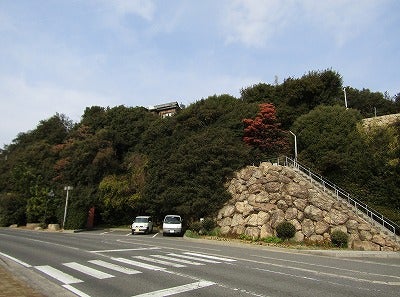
x,y
125,161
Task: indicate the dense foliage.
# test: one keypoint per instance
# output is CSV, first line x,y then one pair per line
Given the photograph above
x,y
285,230
126,161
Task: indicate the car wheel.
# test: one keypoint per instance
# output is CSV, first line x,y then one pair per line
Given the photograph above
x,y
133,232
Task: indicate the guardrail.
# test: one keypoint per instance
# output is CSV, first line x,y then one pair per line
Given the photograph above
x,y
339,193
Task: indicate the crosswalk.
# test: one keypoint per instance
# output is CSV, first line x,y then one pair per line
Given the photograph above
x,y
126,266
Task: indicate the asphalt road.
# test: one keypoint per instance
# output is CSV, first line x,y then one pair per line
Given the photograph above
x,y
116,263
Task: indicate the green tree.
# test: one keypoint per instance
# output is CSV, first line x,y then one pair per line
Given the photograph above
x,y
325,136
12,209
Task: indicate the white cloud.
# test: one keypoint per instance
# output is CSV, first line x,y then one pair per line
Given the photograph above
x,y
342,19
254,22
142,8
24,104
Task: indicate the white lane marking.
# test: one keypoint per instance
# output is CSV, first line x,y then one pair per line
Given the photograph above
x,y
126,250
138,264
177,260
193,258
357,279
155,235
115,267
16,260
87,270
159,261
177,290
210,257
75,291
329,267
58,275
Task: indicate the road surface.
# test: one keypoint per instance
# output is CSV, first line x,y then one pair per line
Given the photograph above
x,y
116,263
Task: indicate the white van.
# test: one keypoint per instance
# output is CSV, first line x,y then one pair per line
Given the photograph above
x,y
142,224
172,224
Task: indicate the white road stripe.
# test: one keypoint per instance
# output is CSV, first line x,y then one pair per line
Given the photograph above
x,y
58,275
87,270
159,261
138,264
75,291
211,257
177,290
177,260
193,258
115,267
126,250
16,260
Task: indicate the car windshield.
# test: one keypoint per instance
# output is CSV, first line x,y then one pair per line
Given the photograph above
x,y
172,220
141,220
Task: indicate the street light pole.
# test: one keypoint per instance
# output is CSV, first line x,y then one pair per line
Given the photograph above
x,y
67,188
295,146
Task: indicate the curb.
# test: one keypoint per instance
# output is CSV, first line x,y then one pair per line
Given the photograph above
x,y
326,253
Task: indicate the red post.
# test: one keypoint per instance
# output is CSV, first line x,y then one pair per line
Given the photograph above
x,y
90,219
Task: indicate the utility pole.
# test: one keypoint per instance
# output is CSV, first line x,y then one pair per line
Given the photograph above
x,y
67,188
345,97
295,146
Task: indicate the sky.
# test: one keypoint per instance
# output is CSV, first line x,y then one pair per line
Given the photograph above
x,y
61,56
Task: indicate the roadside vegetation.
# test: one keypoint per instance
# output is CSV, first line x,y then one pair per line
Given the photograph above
x,y
126,161
285,233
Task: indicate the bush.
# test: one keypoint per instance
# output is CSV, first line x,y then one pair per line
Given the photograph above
x,y
208,224
195,226
191,234
272,239
285,230
339,239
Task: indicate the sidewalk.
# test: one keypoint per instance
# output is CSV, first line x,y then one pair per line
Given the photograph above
x,y
19,281
11,286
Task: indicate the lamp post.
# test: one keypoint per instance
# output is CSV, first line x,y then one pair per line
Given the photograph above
x,y
295,146
345,97
67,188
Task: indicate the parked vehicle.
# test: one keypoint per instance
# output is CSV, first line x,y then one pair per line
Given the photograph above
x,y
142,224
172,224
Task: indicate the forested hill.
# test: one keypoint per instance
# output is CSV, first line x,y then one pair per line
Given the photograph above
x,y
126,161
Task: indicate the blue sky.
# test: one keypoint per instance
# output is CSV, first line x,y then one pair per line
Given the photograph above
x,y
65,55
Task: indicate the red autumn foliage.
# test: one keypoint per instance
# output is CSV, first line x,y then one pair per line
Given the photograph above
x,y
264,131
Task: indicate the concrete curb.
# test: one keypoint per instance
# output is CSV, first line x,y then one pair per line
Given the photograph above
x,y
329,253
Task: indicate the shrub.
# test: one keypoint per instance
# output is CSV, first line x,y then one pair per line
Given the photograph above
x,y
208,224
215,232
196,226
285,230
339,239
272,239
191,234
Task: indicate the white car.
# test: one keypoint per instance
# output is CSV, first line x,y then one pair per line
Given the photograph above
x,y
172,224
142,224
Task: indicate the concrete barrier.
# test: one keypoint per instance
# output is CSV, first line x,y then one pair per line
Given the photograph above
x,y
32,225
53,227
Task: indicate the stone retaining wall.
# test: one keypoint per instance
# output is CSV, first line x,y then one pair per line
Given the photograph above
x,y
263,197
380,121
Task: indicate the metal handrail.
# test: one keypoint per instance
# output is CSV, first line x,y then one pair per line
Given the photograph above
x,y
341,194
